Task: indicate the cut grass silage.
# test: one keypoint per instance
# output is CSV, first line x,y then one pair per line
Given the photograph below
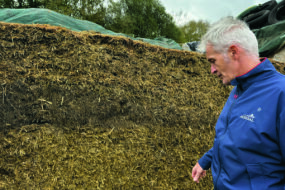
x,y
90,111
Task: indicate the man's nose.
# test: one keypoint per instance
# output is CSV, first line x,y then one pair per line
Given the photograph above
x,y
213,69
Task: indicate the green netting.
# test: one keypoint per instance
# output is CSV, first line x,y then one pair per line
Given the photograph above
x,y
46,16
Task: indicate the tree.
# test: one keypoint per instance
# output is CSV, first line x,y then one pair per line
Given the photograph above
x,y
6,4
34,3
143,18
92,10
193,31
21,3
66,7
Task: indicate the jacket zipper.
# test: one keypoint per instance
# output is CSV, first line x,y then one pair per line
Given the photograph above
x,y
228,116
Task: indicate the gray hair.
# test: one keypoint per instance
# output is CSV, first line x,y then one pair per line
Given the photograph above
x,y
230,31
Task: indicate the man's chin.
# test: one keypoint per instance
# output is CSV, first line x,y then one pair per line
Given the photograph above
x,y
225,82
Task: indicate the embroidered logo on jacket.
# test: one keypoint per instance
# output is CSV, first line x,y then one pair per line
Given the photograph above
x,y
248,117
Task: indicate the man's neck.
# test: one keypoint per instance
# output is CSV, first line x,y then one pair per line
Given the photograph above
x,y
247,63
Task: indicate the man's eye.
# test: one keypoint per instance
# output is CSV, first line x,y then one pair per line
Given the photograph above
x,y
212,61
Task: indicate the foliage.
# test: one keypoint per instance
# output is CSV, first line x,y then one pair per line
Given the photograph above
x,y
21,3
92,10
193,31
140,18
143,18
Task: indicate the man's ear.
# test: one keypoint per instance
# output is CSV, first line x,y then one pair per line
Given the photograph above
x,y
234,51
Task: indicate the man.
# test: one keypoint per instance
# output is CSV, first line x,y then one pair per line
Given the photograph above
x,y
249,146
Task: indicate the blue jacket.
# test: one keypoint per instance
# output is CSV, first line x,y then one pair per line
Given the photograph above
x,y
249,145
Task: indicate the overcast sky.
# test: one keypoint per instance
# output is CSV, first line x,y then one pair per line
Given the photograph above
x,y
206,10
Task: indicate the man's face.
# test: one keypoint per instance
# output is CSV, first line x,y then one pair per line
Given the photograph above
x,y
221,65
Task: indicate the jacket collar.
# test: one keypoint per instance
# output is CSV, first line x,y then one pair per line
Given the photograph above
x,y
257,73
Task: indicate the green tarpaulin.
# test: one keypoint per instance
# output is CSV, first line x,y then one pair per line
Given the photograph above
x,y
270,38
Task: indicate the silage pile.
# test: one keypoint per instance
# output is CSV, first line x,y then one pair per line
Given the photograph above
x,y
90,111
55,76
